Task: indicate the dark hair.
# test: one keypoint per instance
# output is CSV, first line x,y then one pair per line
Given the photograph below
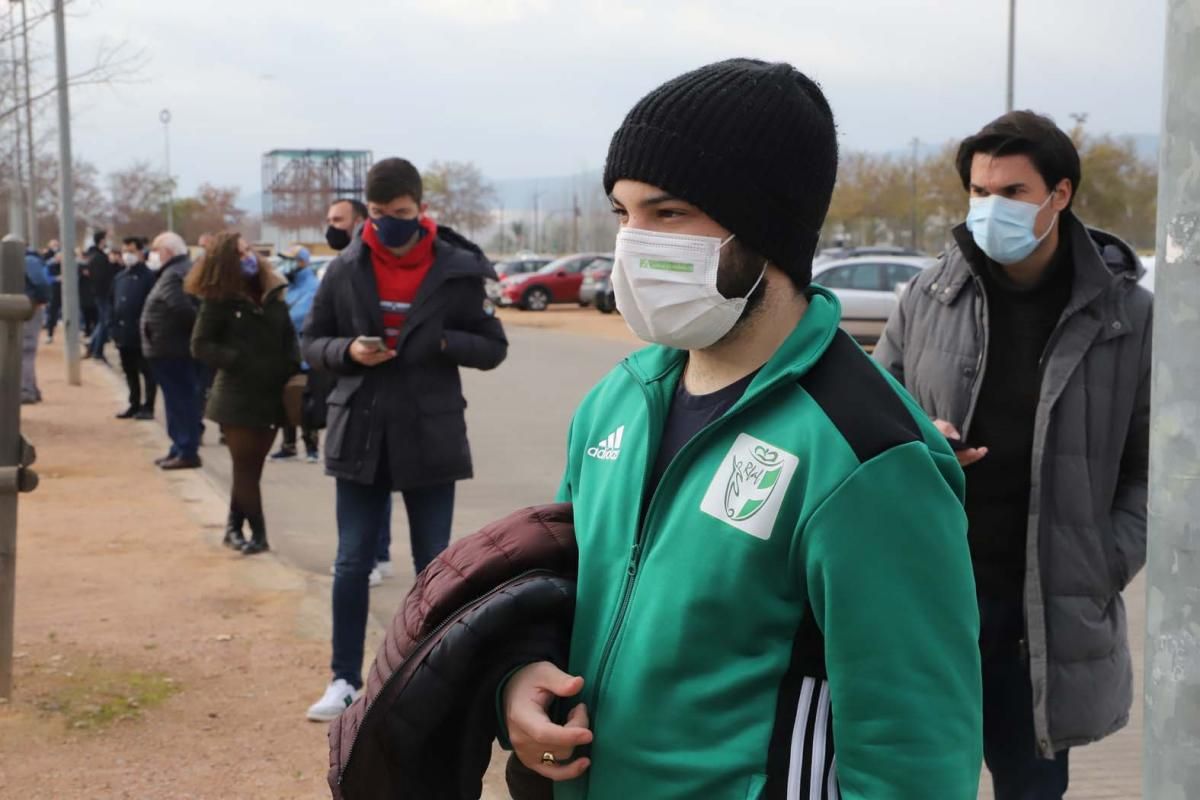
x,y
1024,133
218,276
136,241
392,178
360,208
98,237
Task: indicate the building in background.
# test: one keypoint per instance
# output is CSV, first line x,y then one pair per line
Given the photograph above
x,y
299,185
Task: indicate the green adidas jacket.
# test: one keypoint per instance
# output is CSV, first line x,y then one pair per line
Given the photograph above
x,y
822,511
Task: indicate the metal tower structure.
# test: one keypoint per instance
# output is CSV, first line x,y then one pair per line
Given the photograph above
x,y
298,185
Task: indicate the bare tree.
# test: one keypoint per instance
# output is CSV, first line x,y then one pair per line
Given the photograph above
x,y
139,194
214,208
113,63
457,192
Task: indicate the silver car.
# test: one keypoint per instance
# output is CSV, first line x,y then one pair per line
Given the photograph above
x,y
866,287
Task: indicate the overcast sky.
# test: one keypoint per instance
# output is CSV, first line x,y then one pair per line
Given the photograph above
x,y
529,88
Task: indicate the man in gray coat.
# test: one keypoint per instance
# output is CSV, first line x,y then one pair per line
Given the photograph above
x,y
1029,345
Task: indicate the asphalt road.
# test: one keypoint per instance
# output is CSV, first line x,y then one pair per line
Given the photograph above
x,y
517,419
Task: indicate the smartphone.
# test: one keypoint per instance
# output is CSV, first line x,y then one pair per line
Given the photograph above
x,y
374,342
958,445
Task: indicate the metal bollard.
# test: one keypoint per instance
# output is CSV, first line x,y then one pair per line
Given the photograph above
x,y
16,454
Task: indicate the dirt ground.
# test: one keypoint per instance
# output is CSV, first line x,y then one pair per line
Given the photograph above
x,y
570,318
150,661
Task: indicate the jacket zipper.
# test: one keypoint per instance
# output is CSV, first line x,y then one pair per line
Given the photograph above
x,y
981,362
639,545
635,551
447,622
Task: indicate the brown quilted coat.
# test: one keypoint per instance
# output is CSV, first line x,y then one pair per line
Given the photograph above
x,y
492,602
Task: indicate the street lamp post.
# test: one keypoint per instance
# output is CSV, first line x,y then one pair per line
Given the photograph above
x,y
1171,753
66,203
164,117
17,200
1012,52
31,195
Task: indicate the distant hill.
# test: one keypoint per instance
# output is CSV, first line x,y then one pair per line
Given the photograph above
x,y
553,193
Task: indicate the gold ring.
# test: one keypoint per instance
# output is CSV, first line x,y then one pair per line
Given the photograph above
x,y
548,759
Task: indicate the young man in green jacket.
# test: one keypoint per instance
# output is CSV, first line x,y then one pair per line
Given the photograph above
x,y
775,597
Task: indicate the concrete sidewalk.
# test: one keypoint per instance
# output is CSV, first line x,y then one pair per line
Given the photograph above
x,y
150,661
1112,769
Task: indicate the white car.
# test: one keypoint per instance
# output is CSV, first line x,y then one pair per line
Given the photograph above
x,y
1148,279
866,287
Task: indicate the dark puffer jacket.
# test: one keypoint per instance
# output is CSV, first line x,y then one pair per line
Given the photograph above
x,y
169,313
491,603
130,290
1087,507
409,410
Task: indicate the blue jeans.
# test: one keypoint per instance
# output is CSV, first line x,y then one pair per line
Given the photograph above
x,y
104,311
361,512
1009,746
181,381
384,550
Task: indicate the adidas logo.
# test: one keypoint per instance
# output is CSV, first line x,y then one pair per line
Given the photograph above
x,y
608,449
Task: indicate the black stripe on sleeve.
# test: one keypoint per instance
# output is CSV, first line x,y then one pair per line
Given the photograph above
x,y
858,399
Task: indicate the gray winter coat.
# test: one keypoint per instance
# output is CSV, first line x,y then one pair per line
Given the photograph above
x,y
1087,509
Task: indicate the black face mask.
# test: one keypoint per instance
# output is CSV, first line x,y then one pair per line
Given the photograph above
x,y
337,238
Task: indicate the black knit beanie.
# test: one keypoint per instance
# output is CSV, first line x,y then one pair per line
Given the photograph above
x,y
751,144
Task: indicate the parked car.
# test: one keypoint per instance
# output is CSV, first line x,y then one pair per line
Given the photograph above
x,y
1147,280
523,264
557,282
604,298
841,253
867,288
594,277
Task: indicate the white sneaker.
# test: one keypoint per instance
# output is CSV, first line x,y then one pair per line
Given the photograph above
x,y
385,569
337,698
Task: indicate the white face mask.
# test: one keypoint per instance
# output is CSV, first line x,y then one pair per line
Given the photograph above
x,y
154,262
666,288
129,259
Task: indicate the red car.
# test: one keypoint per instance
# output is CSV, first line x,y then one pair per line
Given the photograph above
x,y
557,282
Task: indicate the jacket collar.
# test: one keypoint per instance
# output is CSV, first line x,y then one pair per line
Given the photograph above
x,y
180,264
449,262
1096,273
803,347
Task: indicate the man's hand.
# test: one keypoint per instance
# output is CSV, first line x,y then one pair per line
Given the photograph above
x,y
368,355
965,457
528,694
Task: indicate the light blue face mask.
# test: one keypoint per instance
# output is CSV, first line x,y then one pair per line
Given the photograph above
x,y
1003,228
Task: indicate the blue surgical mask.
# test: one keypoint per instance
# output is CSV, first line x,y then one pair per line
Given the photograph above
x,y
395,232
1004,228
249,266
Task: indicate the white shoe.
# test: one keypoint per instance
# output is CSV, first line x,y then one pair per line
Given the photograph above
x,y
337,698
385,569
374,579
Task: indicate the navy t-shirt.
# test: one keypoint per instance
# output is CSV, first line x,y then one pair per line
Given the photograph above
x,y
688,415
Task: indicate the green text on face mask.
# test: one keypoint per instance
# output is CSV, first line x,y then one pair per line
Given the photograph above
x,y
665,266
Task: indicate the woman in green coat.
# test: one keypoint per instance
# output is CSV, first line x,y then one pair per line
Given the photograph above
x,y
245,333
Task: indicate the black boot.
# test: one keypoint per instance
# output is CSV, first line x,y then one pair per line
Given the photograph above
x,y
233,530
258,536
